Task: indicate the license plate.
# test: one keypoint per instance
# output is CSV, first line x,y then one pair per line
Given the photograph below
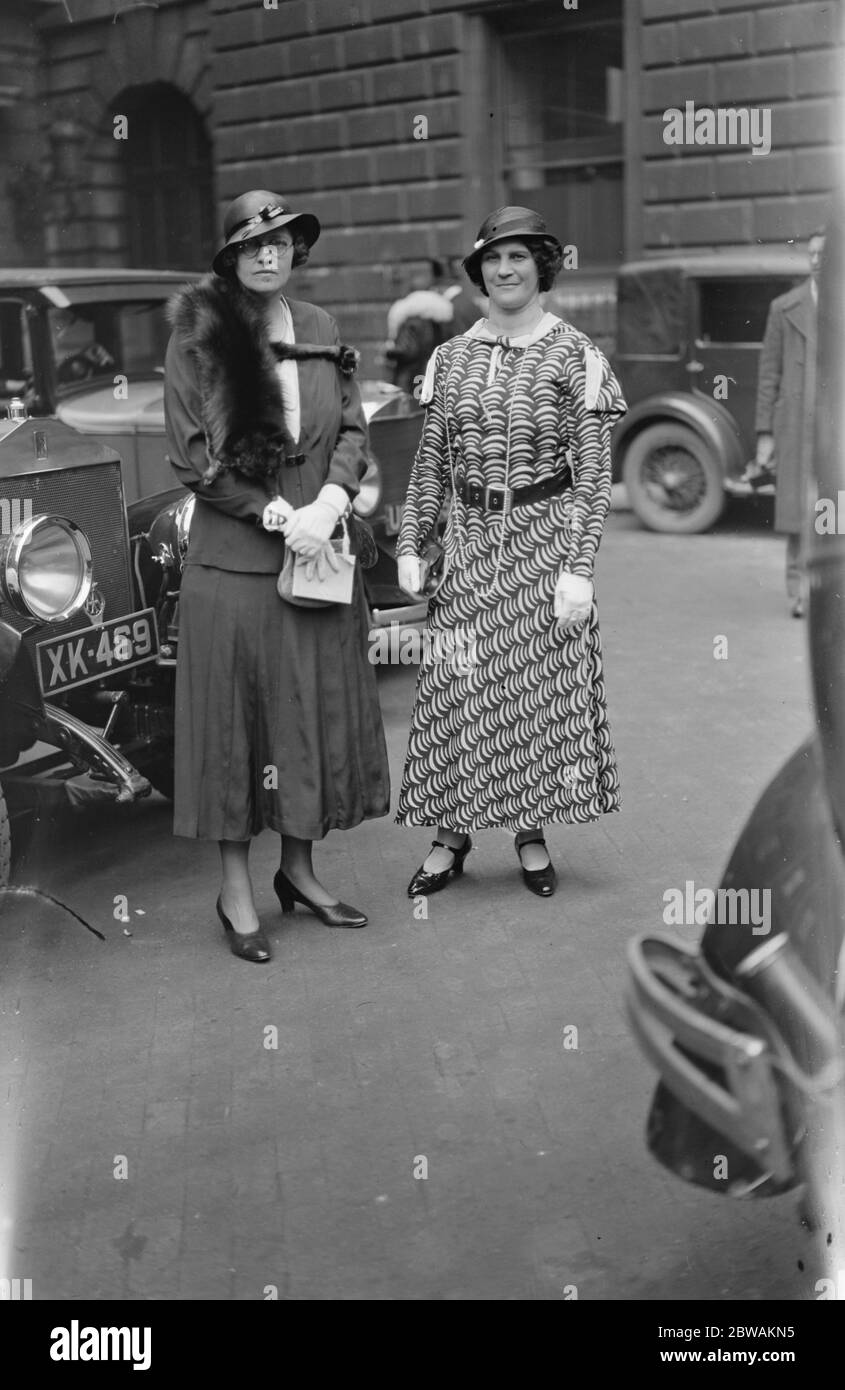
x,y
89,655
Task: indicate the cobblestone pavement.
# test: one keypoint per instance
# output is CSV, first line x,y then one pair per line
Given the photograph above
x,y
178,1124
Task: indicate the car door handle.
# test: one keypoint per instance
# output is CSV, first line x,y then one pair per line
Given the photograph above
x,y
695,366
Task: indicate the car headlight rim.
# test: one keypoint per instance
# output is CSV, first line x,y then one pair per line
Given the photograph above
x,y
16,585
183,518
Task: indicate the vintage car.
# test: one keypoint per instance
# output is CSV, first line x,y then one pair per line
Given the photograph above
x,y
89,612
746,1031
689,330
87,346
93,535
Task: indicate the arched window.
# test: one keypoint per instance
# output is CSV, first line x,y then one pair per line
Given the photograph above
x,y
167,178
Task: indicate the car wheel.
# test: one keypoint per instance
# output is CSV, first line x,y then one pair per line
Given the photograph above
x,y
673,481
5,842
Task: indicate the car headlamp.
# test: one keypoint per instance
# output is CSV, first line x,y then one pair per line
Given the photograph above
x,y
46,568
170,532
184,517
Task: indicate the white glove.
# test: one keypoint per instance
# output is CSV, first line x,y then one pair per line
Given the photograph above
x,y
410,573
308,529
573,599
275,514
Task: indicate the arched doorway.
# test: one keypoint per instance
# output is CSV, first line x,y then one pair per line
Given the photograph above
x,y
167,177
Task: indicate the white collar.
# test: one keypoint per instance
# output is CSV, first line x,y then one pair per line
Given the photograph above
x,y
546,324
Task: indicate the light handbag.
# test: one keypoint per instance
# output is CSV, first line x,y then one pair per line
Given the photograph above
x,y
295,587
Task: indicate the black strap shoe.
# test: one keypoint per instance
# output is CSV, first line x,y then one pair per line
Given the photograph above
x,y
541,881
248,946
336,915
423,884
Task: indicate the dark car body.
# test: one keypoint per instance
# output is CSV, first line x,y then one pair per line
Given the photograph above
x,y
746,1031
85,681
689,333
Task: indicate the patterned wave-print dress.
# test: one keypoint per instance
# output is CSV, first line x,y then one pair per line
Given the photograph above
x,y
510,725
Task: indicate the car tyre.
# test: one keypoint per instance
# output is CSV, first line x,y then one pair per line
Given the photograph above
x,y
673,481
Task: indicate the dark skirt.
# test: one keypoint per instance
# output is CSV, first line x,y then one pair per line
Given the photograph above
x,y
278,724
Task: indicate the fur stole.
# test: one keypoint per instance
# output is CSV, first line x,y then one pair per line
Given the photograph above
x,y
223,328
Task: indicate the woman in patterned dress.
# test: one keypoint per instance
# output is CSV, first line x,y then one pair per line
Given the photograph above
x,y
510,724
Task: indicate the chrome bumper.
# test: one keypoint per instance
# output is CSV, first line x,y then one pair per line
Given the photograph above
x,y
688,1022
87,749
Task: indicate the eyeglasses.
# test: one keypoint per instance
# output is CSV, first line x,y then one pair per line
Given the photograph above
x,y
251,248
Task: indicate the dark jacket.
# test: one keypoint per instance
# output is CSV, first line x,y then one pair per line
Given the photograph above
x,y
222,400
790,336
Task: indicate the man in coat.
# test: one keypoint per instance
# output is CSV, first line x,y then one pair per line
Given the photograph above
x,y
789,342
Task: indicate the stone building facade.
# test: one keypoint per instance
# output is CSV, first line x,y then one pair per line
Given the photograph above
x,y
126,125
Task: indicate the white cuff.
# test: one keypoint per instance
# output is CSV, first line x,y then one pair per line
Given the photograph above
x,y
335,497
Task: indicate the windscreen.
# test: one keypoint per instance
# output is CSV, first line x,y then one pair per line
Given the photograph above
x,y
118,337
651,313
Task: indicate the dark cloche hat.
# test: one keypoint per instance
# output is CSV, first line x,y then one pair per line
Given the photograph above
x,y
257,212
503,223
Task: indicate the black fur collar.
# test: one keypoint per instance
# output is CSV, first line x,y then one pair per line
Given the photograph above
x,y
222,325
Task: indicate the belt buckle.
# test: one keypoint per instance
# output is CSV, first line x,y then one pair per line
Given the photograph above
x,y
497,503
294,460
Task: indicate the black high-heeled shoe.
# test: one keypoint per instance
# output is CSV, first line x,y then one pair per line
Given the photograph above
x,y
424,883
338,915
541,881
248,945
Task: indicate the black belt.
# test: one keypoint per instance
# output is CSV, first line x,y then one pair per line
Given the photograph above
x,y
493,498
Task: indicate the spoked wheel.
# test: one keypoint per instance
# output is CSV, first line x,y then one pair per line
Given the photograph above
x,y
673,481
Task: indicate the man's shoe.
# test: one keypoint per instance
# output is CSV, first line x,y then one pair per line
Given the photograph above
x,y
423,884
798,608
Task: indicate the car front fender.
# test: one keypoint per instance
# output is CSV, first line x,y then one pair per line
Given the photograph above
x,y
707,417
21,704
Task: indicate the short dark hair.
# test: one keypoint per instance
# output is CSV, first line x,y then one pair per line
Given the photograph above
x,y
548,259
301,251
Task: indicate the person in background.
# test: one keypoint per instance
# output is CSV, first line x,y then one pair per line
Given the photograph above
x,y
466,307
415,326
789,341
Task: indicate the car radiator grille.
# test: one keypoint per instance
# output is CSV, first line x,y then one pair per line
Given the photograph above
x,y
92,497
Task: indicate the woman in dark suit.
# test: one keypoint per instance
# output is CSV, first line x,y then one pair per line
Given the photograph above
x,y
277,715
